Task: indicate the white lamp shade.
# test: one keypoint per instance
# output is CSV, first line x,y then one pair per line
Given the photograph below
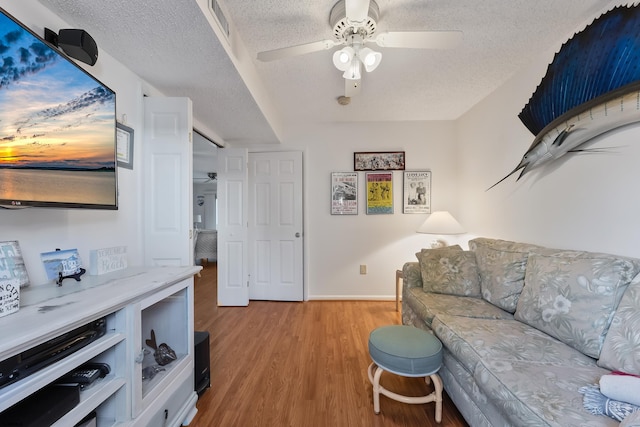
x,y
343,57
197,218
370,58
441,222
353,72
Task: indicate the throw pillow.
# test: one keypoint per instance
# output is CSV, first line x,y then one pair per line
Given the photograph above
x,y
446,248
621,349
573,296
452,272
502,265
424,272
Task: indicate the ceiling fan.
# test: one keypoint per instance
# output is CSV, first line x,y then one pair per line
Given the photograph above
x,y
354,24
211,177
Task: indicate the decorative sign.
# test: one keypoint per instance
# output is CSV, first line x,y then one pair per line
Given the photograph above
x,y
106,260
9,296
11,263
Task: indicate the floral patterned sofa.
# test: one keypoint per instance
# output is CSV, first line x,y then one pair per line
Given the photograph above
x,y
524,327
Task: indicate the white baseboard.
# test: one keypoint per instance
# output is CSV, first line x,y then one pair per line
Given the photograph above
x,y
352,297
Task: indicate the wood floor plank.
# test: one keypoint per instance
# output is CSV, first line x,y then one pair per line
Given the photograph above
x,y
300,365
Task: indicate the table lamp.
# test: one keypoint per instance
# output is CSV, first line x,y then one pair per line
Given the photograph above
x,y
441,223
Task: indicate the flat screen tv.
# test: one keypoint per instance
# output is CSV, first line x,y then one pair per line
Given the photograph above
x,y
57,127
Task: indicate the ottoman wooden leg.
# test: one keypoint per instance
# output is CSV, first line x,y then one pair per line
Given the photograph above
x,y
437,385
374,377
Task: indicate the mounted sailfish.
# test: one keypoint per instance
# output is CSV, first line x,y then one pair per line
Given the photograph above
x,y
591,87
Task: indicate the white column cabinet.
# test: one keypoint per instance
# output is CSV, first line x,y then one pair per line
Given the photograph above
x,y
134,301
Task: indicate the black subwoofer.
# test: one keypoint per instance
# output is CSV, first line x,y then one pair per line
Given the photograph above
x,y
202,377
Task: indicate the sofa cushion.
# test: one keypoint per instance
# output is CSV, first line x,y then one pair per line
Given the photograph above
x,y
542,394
573,295
502,266
450,271
621,349
472,340
460,384
428,305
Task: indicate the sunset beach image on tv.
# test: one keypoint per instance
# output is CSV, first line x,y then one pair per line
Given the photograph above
x,y
57,127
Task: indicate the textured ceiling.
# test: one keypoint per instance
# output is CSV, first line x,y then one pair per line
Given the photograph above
x,y
171,44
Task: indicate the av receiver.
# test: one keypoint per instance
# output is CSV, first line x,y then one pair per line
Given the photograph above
x,y
29,361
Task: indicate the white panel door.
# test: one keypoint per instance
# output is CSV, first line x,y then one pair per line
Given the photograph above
x,y
233,280
167,186
275,226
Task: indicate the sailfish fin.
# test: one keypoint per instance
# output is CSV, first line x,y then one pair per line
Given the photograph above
x,y
562,136
601,58
592,150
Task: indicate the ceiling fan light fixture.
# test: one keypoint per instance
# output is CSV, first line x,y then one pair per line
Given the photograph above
x,y
370,58
342,58
353,71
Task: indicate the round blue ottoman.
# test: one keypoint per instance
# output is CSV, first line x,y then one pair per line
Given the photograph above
x,y
409,352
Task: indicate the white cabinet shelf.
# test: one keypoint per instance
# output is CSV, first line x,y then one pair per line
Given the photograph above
x,y
133,301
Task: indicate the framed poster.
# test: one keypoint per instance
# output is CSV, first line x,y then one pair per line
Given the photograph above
x,y
378,161
416,192
124,145
344,193
379,192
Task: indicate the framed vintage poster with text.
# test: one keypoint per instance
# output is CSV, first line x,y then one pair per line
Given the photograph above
x,y
379,192
416,192
344,193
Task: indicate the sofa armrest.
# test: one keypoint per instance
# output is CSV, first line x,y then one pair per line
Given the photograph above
x,y
411,276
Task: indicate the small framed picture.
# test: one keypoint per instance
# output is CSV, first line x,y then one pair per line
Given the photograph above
x,y
65,262
344,193
124,146
378,161
379,193
416,192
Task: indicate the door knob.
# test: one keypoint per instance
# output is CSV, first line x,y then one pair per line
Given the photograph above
x,y
297,234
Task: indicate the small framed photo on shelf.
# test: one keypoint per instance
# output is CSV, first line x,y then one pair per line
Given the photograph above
x,y
344,193
378,161
379,193
65,262
416,192
124,146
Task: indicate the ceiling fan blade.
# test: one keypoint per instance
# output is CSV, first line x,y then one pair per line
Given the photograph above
x,y
351,87
301,49
420,39
357,10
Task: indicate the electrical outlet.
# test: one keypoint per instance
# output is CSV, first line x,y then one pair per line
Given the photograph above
x,y
363,269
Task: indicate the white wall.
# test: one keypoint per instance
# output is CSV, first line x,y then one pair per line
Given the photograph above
x,y
587,201
42,230
335,246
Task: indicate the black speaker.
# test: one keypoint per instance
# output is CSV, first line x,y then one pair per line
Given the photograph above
x,y
78,44
202,377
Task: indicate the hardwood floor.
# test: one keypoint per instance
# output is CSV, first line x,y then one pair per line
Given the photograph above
x,y
300,364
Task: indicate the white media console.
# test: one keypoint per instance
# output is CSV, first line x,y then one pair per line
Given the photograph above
x,y
134,301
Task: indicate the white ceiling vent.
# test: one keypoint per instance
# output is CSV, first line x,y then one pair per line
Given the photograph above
x,y
216,11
